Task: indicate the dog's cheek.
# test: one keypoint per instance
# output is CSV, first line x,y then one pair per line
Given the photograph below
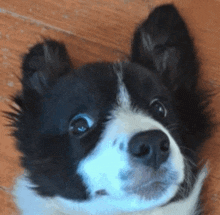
x,y
101,170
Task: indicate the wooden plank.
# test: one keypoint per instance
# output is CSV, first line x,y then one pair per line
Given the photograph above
x,y
7,206
91,20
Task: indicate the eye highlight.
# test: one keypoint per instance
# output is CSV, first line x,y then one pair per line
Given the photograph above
x,y
80,124
158,109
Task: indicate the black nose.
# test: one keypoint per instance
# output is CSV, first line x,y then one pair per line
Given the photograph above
x,y
150,147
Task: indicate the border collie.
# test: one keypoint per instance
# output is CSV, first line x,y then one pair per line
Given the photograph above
x,y
113,138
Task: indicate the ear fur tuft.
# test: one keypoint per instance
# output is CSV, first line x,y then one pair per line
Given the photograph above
x,y
44,63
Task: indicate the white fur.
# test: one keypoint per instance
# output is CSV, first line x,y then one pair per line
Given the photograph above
x,y
31,204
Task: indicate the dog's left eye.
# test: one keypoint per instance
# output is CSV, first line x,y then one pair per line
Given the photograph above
x,y
158,109
80,124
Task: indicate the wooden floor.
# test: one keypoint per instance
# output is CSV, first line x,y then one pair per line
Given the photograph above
x,y
96,30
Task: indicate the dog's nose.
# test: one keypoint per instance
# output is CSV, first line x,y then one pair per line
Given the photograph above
x,y
152,147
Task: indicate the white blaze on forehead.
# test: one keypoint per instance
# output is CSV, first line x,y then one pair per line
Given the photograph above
x,y
123,98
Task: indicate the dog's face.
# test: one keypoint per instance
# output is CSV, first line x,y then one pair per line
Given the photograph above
x,y
118,130
119,133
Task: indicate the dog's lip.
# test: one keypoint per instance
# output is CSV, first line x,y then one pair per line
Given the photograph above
x,y
146,185
101,192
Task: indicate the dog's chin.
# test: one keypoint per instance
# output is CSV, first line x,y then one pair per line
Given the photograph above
x,y
149,191
152,185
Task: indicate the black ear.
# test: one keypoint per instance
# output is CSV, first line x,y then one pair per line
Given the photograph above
x,y
162,43
44,63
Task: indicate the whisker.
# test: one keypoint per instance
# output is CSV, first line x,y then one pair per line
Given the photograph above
x,y
186,148
173,126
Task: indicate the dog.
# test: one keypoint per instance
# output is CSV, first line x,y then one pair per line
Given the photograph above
x,y
113,138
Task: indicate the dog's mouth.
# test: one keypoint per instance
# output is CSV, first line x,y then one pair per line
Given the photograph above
x,y
149,191
101,193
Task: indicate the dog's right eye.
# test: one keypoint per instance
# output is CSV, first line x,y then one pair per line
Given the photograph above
x,y
80,124
158,109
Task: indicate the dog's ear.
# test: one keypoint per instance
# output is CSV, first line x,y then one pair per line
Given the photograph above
x,y
44,64
162,43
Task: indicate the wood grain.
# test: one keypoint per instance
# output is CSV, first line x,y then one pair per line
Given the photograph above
x,y
99,30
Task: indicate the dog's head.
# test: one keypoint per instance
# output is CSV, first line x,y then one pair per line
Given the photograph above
x,y
120,132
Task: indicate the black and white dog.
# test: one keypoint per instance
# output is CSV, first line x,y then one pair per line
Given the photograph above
x,y
113,138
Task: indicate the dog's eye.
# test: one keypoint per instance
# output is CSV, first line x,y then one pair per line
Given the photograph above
x,y
80,124
158,109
